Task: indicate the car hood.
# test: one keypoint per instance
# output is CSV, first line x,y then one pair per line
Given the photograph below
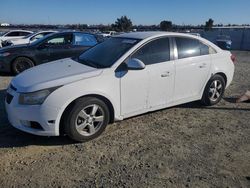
x,y
53,74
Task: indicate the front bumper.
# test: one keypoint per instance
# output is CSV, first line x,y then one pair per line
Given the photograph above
x,y
21,116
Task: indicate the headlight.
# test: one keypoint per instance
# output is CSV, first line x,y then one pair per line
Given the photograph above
x,y
4,54
35,98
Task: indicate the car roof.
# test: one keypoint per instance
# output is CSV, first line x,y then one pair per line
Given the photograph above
x,y
151,34
20,30
46,31
143,35
71,32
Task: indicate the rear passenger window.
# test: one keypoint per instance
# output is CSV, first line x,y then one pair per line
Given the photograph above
x,y
204,49
156,51
188,47
13,34
17,34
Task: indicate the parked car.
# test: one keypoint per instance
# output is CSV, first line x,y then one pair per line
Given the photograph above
x,y
196,34
224,42
108,33
14,34
27,39
124,76
55,46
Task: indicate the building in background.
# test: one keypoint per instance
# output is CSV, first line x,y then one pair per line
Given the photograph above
x,y
5,24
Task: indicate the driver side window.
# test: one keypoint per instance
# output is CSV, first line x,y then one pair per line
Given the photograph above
x,y
157,51
60,40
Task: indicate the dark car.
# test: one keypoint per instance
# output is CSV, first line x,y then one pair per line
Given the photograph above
x,y
224,42
49,48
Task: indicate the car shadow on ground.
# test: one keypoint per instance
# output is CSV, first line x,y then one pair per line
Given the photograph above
x,y
198,105
11,137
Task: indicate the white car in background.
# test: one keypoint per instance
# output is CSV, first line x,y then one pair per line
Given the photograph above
x,y
27,39
108,33
13,34
124,76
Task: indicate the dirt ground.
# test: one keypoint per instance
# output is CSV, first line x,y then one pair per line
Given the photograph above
x,y
183,146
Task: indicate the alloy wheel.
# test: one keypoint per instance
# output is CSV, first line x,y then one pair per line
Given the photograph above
x,y
215,90
89,120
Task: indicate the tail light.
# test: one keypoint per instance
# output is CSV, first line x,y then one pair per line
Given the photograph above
x,y
233,58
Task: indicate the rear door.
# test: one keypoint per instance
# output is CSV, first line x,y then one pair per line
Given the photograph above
x,y
82,42
192,67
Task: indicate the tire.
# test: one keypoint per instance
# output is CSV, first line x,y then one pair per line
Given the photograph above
x,y
214,91
86,119
21,64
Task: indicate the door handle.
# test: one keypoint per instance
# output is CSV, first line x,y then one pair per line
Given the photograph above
x,y
165,74
203,65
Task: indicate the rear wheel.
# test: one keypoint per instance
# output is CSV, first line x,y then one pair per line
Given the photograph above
x,y
21,64
86,119
214,91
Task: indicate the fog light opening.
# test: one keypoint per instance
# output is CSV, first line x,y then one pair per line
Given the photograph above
x,y
51,121
35,125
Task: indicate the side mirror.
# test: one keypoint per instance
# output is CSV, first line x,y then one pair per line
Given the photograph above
x,y
135,64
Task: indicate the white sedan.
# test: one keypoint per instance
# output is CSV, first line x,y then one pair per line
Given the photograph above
x,y
27,39
13,34
124,76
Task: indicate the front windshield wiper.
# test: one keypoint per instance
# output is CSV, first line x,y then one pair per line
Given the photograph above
x,y
85,62
88,62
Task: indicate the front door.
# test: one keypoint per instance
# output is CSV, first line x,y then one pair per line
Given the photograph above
x,y
152,87
60,47
134,91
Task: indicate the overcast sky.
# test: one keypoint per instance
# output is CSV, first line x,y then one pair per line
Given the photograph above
x,y
139,11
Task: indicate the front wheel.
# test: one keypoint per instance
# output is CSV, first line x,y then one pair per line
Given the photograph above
x,y
214,91
86,119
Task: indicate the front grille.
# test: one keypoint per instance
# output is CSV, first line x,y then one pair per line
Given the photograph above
x,y
8,98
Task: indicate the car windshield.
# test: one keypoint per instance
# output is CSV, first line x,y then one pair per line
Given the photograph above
x,y
106,53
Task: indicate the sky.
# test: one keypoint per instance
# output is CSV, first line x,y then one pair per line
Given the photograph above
x,y
146,12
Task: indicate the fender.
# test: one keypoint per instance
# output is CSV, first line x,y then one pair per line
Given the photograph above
x,y
117,115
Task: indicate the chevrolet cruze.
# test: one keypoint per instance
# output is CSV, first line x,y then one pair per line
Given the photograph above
x,y
124,76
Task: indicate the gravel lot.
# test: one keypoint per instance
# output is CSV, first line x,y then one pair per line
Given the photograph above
x,y
183,146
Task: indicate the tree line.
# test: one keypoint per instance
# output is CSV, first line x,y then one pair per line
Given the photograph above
x,y
124,24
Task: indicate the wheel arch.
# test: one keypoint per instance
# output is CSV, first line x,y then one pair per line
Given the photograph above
x,y
223,75
98,96
217,73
